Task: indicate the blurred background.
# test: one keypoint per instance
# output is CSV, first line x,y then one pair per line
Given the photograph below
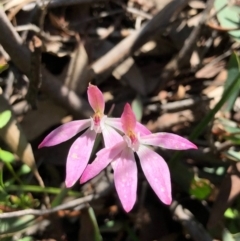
x,y
175,61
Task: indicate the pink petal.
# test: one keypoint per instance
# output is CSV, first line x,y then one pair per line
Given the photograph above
x,y
117,124
64,132
104,157
125,178
95,99
110,136
157,173
168,141
128,119
78,157
142,129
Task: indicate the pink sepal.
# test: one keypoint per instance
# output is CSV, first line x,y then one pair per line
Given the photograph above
x,y
78,157
168,141
117,124
110,136
157,173
64,132
128,119
104,157
95,99
125,178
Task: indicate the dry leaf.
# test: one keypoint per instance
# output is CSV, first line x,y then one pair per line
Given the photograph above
x,y
197,4
129,71
77,71
181,91
210,70
38,121
15,138
229,190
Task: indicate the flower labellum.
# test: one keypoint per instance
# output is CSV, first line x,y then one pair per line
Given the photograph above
x,y
137,139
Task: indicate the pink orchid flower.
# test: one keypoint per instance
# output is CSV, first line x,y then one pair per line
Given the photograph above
x,y
81,149
124,165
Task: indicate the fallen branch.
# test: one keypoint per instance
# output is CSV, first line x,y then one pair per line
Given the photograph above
x,y
133,42
21,57
194,228
77,204
35,45
52,3
80,202
184,55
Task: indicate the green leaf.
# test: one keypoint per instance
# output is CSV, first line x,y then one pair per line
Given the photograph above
x,y
233,73
200,188
6,239
3,66
59,198
221,171
231,213
137,108
232,130
131,232
25,169
233,155
5,116
12,225
38,189
215,170
235,139
227,122
228,16
227,236
6,156
236,236
15,138
184,177
207,118
111,226
26,239
97,234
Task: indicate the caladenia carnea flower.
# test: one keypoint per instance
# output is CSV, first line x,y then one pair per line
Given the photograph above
x,y
81,149
124,165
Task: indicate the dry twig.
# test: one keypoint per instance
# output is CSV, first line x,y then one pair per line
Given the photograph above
x,y
80,203
21,56
35,47
195,229
52,3
184,55
133,42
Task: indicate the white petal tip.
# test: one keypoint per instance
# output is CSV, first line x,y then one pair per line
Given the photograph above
x,y
40,145
128,209
69,184
167,201
194,147
43,144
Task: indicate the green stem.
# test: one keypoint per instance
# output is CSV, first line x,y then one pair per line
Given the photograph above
x,y
97,234
1,178
15,176
202,125
32,188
